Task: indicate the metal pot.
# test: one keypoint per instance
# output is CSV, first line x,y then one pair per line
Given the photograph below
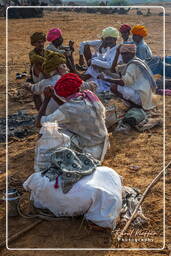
x,y
13,197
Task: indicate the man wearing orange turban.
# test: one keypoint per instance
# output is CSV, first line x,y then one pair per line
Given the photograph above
x,y
143,50
140,31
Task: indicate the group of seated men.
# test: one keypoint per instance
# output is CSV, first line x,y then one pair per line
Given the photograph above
x,y
63,95
121,69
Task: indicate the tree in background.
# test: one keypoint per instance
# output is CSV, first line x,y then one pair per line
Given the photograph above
x,y
118,3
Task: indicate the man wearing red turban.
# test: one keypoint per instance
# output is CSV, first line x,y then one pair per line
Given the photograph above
x,y
125,30
80,114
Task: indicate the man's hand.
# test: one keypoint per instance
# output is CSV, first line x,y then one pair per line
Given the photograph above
x,y
118,49
93,86
28,86
48,92
114,88
37,123
81,60
101,76
89,62
71,45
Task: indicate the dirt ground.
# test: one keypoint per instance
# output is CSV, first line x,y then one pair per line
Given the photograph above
x,y
142,149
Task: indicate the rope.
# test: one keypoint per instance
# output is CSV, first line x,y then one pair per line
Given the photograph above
x,y
40,215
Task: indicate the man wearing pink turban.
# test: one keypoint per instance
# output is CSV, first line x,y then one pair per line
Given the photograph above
x,y
54,36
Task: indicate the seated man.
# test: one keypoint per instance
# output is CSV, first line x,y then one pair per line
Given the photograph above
x,y
81,115
137,83
55,38
53,67
125,31
99,46
36,56
144,52
104,58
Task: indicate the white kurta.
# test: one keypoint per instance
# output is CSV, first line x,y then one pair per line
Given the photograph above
x,y
102,61
95,44
84,122
98,196
135,79
39,87
35,78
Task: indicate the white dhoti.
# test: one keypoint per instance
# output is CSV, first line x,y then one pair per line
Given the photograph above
x,y
130,94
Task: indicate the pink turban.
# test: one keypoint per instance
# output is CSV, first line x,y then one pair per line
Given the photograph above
x,y
128,48
125,28
54,34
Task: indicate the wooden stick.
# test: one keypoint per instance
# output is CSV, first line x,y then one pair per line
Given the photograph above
x,y
155,180
15,236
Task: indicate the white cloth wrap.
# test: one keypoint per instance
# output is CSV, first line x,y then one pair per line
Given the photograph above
x,y
97,196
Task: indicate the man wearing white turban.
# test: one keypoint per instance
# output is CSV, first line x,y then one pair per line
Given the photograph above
x,y
137,83
105,51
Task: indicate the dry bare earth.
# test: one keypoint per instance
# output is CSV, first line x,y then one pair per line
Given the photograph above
x,y
142,149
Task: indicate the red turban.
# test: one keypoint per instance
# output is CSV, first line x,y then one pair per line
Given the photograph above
x,y
125,28
67,85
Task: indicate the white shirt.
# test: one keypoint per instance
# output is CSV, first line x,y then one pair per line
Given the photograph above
x,y
135,79
106,58
39,87
95,44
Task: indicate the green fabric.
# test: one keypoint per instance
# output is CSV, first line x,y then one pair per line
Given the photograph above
x,y
134,116
35,58
71,166
52,61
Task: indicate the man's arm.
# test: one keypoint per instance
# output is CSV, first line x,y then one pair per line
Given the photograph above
x,y
95,44
48,94
106,64
114,81
115,61
42,111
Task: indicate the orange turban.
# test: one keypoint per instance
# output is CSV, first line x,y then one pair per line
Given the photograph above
x,y
139,30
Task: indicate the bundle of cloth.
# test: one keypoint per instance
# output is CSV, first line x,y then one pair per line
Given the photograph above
x,y
74,184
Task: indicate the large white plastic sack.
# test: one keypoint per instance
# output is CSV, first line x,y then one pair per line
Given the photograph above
x,y
97,196
51,139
